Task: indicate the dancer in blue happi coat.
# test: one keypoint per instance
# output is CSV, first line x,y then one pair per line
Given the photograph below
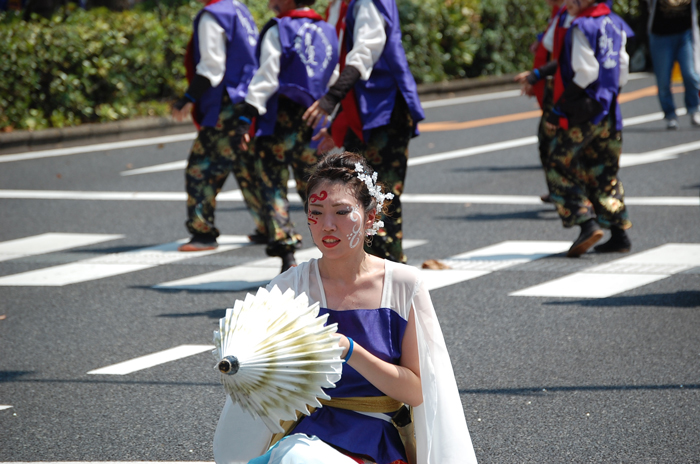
x,y
298,55
585,154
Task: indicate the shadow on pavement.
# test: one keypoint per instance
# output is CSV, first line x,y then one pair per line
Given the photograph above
x,y
546,214
680,299
594,388
532,167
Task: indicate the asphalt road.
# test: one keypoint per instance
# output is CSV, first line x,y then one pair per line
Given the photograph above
x,y
604,369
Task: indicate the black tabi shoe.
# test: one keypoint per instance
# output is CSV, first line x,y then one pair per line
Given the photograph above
x,y
288,261
258,238
590,234
619,243
546,198
200,243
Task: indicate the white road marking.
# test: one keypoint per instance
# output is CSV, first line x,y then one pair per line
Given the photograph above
x,y
115,264
645,118
236,195
4,406
620,275
250,275
86,195
98,147
462,153
470,99
173,166
192,135
477,263
49,243
626,160
663,154
152,360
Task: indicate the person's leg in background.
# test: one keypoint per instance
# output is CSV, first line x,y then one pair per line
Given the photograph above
x,y
662,48
691,79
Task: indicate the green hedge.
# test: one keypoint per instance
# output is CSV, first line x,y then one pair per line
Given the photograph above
x,y
98,65
91,66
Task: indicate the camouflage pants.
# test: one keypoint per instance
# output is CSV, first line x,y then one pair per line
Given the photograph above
x,y
290,145
211,160
582,175
386,150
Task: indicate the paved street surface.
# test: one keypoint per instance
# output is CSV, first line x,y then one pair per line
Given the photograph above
x,y
106,330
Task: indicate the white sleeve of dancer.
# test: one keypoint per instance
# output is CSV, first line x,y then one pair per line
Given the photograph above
x,y
548,39
265,82
624,62
212,49
369,38
334,12
334,76
583,60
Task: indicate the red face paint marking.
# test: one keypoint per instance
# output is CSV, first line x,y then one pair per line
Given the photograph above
x,y
311,219
322,196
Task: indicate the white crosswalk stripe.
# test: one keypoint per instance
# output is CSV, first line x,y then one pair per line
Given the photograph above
x,y
596,282
152,360
251,275
477,263
622,274
49,243
114,264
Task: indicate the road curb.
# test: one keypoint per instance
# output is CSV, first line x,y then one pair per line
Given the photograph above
x,y
25,138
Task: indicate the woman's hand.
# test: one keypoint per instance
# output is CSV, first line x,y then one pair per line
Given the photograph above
x,y
327,143
245,140
344,344
314,114
521,78
182,113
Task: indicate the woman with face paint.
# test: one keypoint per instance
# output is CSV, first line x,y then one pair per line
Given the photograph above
x,y
396,362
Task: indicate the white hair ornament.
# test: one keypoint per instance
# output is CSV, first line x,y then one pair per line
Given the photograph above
x,y
376,192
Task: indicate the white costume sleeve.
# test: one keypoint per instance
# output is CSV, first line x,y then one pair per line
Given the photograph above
x,y
583,60
369,38
265,82
548,39
442,436
624,62
212,49
334,12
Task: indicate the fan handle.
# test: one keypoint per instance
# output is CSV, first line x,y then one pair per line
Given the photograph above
x,y
229,365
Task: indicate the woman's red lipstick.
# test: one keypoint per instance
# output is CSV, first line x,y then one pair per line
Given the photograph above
x,y
329,241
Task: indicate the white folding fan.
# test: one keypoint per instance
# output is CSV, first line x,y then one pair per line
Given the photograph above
x,y
276,356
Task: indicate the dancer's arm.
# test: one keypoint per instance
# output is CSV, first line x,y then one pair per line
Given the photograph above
x,y
401,382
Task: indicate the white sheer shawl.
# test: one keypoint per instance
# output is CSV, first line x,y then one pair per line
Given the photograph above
x,y
442,436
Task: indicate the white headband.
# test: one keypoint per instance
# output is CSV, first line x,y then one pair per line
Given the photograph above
x,y
375,191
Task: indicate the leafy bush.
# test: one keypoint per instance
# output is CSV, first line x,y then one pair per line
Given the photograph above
x,y
440,37
509,28
91,66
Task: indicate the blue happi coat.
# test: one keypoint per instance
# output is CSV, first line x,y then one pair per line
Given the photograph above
x,y
391,74
241,62
604,34
309,57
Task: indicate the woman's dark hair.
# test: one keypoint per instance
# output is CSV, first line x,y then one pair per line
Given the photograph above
x,y
340,167
303,3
